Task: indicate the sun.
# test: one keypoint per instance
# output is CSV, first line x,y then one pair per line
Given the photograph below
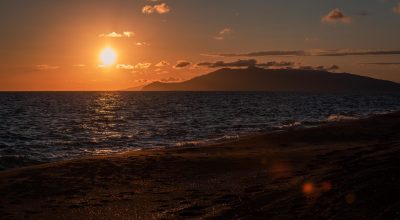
x,y
108,57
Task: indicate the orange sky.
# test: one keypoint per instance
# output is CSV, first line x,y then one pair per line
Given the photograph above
x,y
55,45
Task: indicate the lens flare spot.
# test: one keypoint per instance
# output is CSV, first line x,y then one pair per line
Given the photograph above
x,y
308,188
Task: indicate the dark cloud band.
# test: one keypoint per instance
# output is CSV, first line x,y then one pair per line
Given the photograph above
x,y
327,53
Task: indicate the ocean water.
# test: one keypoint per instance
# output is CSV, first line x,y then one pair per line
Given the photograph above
x,y
41,127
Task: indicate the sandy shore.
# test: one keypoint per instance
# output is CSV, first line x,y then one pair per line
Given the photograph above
x,y
347,170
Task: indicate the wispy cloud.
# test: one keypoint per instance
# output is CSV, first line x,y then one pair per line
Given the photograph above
x,y
138,66
142,66
162,8
356,52
148,9
140,44
259,54
44,67
267,65
125,66
181,64
319,52
222,34
277,64
162,63
320,68
247,63
238,63
381,63
118,35
336,16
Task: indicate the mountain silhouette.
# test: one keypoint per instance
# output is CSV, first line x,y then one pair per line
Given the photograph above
x,y
136,88
290,80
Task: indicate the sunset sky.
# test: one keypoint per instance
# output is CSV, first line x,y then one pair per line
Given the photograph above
x,y
57,45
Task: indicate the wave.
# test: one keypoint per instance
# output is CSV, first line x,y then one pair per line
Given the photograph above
x,y
208,141
45,127
337,117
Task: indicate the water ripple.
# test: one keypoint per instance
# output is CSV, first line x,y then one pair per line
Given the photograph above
x,y
42,127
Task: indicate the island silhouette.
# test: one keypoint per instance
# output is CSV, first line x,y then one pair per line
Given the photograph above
x,y
280,80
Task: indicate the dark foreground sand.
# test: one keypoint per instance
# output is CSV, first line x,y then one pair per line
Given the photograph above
x,y
348,170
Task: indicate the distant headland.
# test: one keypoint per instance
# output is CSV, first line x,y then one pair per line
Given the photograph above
x,y
288,80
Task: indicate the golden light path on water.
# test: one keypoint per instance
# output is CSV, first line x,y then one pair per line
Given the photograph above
x,y
103,124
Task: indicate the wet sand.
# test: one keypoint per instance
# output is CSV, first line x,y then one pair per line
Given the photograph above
x,y
344,170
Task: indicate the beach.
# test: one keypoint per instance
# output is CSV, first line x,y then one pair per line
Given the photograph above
x,y
341,170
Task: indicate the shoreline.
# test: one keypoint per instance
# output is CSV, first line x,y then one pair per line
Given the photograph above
x,y
338,118
343,169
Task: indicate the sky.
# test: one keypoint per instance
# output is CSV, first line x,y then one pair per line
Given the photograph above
x,y
65,45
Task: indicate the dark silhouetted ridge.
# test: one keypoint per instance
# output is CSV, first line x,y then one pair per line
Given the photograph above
x,y
290,80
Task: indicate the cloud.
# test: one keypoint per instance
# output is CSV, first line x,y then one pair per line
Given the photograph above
x,y
44,67
223,33
277,64
320,68
148,9
268,65
261,53
247,63
138,66
336,16
79,65
142,44
162,8
162,63
396,9
327,53
238,63
358,52
381,63
181,64
118,35
125,66
142,66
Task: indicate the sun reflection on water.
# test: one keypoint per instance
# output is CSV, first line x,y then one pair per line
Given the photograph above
x,y
105,123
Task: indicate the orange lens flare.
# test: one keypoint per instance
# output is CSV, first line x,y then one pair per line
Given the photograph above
x,y
308,188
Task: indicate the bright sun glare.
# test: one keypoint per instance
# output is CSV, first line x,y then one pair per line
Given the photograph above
x,y
108,56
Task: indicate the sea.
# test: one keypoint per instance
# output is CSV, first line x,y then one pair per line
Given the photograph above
x,y
40,127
